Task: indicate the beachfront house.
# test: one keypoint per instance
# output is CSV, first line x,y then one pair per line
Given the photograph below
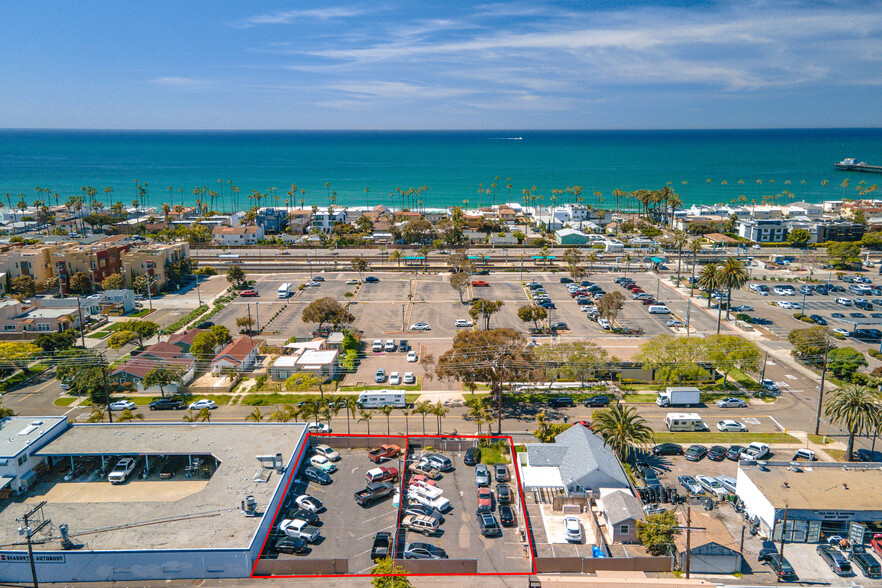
x,y
571,237
236,236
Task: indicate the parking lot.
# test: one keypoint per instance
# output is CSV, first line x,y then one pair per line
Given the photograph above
x,y
460,534
347,530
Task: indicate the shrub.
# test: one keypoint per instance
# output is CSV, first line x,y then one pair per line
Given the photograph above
x,y
859,379
806,319
744,318
874,353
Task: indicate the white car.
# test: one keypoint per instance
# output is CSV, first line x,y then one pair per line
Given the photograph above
x,y
731,403
121,470
122,405
312,284
743,308
729,426
843,301
409,378
327,452
843,332
308,503
755,450
755,247
412,356
783,304
323,463
572,529
782,291
394,379
587,308
315,427
604,324
420,327
675,323
353,281
204,403
462,323
712,485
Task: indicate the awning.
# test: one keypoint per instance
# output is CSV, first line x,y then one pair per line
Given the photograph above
x,y
656,260
5,481
542,477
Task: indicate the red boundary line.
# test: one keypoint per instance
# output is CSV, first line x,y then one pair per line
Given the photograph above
x,y
401,502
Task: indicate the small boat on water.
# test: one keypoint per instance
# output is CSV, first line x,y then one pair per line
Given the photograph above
x,y
852,164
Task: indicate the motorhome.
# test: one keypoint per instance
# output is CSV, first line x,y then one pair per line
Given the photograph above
x,y
285,290
684,421
381,398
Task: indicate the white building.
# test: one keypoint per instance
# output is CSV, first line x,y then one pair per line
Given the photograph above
x,y
20,438
763,231
236,236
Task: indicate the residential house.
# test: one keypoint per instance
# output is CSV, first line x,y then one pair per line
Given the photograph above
x,y
324,219
502,239
239,356
813,211
236,236
577,463
335,340
804,223
299,220
320,363
154,356
571,237
43,316
763,231
154,260
620,510
272,220
185,340
713,550
474,236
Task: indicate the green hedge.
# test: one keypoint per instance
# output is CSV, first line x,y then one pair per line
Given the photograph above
x,y
194,314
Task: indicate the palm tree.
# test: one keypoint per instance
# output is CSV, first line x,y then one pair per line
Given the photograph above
x,y
621,429
679,242
422,409
854,407
695,247
128,415
203,415
406,412
387,410
350,407
733,276
709,280
396,256
282,414
366,416
255,415
440,412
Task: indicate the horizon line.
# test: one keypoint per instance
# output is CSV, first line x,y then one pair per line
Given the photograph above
x,y
427,130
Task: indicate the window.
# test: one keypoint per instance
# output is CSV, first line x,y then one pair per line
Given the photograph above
x,y
8,327
624,529
43,326
22,459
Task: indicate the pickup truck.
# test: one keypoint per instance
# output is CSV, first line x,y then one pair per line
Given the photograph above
x,y
382,547
384,453
417,495
381,474
804,455
426,488
876,543
424,468
298,528
373,492
121,470
479,284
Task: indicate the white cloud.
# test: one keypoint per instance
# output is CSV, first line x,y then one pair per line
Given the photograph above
x,y
392,90
291,16
180,82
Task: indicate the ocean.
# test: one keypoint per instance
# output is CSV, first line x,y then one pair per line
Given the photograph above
x,y
452,168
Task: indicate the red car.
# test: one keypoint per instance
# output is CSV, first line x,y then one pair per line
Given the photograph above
x,y
648,301
480,283
249,293
876,542
632,287
586,424
485,499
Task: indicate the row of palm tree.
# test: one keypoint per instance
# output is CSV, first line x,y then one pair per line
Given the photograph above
x,y
325,409
730,275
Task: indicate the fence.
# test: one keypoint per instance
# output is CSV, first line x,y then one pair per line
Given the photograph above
x,y
558,501
301,567
442,443
441,566
358,442
545,565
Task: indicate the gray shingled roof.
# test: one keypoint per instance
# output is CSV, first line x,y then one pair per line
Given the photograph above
x,y
621,506
577,452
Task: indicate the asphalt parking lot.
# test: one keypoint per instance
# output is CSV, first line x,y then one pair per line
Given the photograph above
x,y
460,534
347,529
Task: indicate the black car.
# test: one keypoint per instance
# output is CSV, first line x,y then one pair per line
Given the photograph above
x,y
472,456
868,564
317,476
734,452
566,281
506,515
561,401
837,315
167,404
483,272
864,305
294,545
300,514
403,346
650,477
781,567
696,452
503,494
597,401
867,455
834,558
667,449
205,325
547,304
717,453
768,548
489,525
559,326
857,315
371,280
818,319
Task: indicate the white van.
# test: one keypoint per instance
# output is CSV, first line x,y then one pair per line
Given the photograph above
x,y
377,346
658,309
684,421
381,398
285,290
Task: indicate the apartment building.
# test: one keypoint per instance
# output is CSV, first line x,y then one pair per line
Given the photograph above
x,y
34,261
763,231
153,260
99,260
236,236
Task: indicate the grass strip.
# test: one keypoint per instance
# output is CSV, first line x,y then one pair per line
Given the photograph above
x,y
739,438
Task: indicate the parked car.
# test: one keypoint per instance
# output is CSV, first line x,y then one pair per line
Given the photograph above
x,y
380,376
561,402
690,484
667,449
423,551
121,471
716,453
167,404
463,323
500,472
488,524
572,529
712,485
834,558
485,500
559,326
503,493
728,426
596,401
412,356
781,567
316,475
734,452
675,323
867,564
482,475
696,452
204,403
323,463
249,293
316,427
843,301
292,545
755,450
371,280
122,405
309,503
420,327
394,379
409,378
731,402
506,515
818,319
472,456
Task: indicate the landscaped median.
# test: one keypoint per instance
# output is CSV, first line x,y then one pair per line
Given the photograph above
x,y
274,398
736,438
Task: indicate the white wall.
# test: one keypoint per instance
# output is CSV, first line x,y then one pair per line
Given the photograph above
x,y
755,502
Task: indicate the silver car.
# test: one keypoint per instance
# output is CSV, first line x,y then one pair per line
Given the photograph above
x,y
731,403
482,475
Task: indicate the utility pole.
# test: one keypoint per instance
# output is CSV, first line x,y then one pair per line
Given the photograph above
x,y
688,538
783,529
249,319
763,374
688,311
257,316
821,388
82,329
29,533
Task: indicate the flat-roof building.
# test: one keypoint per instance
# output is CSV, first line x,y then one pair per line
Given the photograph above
x,y
194,524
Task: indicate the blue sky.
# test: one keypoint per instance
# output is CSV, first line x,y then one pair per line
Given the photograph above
x,y
390,64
